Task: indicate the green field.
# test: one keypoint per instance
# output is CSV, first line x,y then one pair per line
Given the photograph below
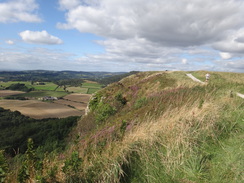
x,y
47,86
7,84
91,85
86,88
92,90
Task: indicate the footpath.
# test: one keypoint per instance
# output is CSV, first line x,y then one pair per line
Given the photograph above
x,y
240,95
199,81
194,79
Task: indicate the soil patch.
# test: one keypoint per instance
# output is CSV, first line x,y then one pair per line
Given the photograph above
x,y
77,105
39,110
4,93
76,97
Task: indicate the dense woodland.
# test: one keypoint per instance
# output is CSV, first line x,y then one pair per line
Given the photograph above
x,y
70,82
47,134
115,78
19,87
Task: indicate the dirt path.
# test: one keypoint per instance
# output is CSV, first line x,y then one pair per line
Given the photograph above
x,y
197,80
240,95
194,79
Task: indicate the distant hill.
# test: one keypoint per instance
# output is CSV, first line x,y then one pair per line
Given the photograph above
x,y
160,127
44,75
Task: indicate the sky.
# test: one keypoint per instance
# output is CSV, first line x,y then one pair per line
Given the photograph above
x,y
122,35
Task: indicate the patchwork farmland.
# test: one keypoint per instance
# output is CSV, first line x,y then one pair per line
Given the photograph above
x,y
72,101
63,108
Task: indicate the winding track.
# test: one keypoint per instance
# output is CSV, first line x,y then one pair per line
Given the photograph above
x,y
197,80
240,95
194,79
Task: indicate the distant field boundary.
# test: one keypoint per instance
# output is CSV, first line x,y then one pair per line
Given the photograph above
x,y
86,88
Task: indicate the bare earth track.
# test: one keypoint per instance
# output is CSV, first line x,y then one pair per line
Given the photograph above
x,y
240,95
194,79
197,80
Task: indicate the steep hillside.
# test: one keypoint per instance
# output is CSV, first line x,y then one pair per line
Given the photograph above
x,y
155,127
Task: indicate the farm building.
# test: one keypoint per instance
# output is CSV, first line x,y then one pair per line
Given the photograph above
x,y
48,98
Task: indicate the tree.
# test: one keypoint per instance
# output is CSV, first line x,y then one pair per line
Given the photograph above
x,y
3,167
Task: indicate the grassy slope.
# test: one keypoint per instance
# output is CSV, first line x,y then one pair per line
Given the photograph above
x,y
171,129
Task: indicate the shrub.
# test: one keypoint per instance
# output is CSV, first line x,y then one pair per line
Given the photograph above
x,y
27,170
123,127
104,111
23,174
19,87
140,102
95,101
121,99
3,167
72,167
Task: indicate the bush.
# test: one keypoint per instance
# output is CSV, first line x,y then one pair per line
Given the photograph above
x,y
104,111
140,102
72,167
95,101
19,87
121,99
3,167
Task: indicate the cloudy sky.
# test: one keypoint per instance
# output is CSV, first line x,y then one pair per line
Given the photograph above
x,y
122,35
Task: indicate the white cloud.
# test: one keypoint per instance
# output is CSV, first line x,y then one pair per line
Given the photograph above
x,y
19,11
225,55
37,58
140,54
233,43
37,37
157,34
184,61
231,66
170,23
148,35
10,42
68,4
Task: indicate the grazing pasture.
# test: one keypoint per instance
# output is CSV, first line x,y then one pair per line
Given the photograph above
x,y
39,110
92,90
48,86
92,85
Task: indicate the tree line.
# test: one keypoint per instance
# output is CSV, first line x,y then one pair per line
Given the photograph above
x,y
48,134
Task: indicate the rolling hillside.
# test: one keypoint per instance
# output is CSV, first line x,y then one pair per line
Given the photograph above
x,y
152,127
